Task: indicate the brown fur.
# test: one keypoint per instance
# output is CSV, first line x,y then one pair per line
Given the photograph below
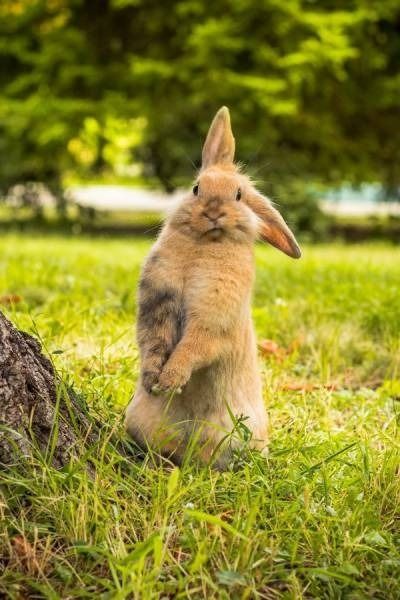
x,y
195,333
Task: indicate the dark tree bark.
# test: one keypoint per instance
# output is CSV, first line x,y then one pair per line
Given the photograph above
x,y
36,409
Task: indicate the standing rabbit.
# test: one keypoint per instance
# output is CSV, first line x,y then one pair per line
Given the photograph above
x,y
197,343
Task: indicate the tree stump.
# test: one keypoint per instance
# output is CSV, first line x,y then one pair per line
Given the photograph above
x,y
36,409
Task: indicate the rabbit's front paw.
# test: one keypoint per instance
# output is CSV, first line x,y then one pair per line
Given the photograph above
x,y
149,380
170,381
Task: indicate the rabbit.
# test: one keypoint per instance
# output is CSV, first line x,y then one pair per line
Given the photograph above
x,y
199,365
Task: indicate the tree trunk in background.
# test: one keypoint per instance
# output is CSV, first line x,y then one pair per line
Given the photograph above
x,y
36,409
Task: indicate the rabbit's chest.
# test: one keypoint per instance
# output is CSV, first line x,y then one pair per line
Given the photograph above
x,y
217,295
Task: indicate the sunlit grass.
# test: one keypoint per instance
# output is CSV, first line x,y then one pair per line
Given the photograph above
x,y
318,519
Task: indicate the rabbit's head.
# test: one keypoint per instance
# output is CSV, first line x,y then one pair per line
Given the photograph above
x,y
224,203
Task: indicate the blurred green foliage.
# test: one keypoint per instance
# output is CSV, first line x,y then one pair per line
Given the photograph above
x,y
130,86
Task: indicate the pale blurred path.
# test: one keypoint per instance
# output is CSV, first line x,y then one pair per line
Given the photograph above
x,y
125,198
118,197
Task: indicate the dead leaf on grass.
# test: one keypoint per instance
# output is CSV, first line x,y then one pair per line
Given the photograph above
x,y
271,348
9,299
308,386
25,554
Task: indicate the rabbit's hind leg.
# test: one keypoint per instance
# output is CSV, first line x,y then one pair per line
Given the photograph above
x,y
155,424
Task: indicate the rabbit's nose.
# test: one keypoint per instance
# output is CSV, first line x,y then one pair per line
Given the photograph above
x,y
213,217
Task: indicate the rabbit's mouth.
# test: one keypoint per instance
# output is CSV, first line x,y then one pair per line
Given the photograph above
x,y
215,232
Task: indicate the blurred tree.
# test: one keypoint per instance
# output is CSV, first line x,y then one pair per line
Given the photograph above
x,y
313,86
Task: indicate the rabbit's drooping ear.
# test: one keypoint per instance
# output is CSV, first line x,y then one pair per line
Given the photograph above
x,y
219,146
273,228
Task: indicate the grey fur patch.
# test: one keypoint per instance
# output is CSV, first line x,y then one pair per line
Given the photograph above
x,y
158,306
144,284
180,325
159,346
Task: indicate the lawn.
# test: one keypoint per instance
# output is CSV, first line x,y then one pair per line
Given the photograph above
x,y
320,518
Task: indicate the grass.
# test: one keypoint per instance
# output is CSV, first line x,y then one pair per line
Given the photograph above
x,y
318,519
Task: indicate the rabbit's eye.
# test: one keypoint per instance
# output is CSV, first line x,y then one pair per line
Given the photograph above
x,y
196,189
238,194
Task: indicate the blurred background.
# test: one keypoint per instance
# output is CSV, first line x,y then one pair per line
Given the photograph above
x,y
104,106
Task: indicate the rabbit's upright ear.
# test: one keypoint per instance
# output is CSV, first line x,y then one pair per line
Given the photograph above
x,y
273,228
219,146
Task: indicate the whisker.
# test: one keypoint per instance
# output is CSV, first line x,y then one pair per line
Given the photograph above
x,y
188,158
